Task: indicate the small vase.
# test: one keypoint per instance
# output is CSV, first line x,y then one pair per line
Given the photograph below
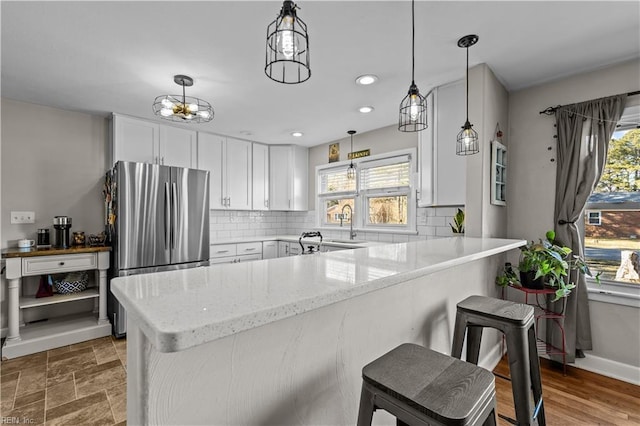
x,y
527,279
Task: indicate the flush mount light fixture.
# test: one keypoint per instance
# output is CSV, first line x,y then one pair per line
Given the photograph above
x,y
287,58
367,79
366,109
467,143
413,108
351,171
185,109
297,134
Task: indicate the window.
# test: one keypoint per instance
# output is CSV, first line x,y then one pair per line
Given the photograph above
x,y
612,216
593,218
381,197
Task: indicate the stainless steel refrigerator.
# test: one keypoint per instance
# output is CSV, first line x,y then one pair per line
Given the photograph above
x,y
161,223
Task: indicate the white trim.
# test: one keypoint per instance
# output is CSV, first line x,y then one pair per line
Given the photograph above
x,y
614,293
491,360
606,367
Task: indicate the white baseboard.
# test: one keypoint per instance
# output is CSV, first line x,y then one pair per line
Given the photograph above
x,y
492,359
606,367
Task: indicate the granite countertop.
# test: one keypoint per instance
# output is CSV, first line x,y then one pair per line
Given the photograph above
x,y
181,309
33,252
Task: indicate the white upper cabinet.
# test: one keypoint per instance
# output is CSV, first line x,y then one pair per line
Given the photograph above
x,y
148,142
229,163
289,177
442,172
260,177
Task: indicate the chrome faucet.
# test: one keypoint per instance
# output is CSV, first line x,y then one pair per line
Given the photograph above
x,y
352,233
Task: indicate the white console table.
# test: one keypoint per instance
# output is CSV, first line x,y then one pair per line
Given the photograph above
x,y
60,331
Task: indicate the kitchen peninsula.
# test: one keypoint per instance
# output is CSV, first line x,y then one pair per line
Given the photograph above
x,y
283,341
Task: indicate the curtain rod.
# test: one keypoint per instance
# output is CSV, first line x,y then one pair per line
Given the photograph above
x,y
552,110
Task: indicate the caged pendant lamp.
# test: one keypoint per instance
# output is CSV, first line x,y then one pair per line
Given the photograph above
x,y
467,143
287,53
185,109
351,171
413,108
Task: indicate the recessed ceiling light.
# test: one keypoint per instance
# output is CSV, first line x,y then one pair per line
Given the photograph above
x,y
246,132
366,109
296,134
367,79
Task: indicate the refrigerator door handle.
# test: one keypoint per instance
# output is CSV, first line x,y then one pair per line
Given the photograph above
x,y
167,214
174,215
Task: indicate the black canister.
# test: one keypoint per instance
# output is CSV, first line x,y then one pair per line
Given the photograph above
x,y
62,231
43,240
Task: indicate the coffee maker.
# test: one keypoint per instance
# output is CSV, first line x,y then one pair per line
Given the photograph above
x,y
61,233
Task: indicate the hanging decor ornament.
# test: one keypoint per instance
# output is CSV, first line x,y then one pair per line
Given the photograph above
x,y
467,143
413,108
185,109
287,57
351,171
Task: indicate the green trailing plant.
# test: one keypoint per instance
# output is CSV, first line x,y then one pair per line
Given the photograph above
x,y
458,222
547,260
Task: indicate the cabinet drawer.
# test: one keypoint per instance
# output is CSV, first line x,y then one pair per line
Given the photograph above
x,y
222,250
57,264
249,248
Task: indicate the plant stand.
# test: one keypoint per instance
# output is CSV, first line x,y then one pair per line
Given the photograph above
x,y
542,311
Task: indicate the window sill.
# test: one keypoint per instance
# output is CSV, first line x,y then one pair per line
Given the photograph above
x,y
377,230
615,293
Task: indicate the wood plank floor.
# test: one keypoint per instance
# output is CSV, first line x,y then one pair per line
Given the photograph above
x,y
577,399
84,384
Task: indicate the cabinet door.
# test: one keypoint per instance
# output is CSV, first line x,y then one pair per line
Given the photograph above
x,y
260,187
178,147
135,140
283,249
280,177
210,157
269,249
238,174
300,168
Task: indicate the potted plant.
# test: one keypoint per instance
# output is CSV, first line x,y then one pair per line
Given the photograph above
x,y
545,264
458,222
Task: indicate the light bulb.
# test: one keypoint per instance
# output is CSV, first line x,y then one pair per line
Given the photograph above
x,y
414,109
351,172
203,114
286,41
166,112
167,103
467,137
193,107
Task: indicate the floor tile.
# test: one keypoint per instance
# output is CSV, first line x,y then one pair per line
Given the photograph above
x,y
99,377
56,380
23,363
8,391
103,341
58,351
93,409
118,400
105,353
32,414
28,398
32,380
64,364
61,394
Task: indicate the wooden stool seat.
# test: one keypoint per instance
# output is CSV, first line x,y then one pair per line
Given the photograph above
x,y
423,387
498,309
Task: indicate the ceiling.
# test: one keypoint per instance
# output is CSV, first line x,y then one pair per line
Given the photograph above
x,y
102,57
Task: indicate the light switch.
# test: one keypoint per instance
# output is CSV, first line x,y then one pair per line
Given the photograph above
x,y
23,217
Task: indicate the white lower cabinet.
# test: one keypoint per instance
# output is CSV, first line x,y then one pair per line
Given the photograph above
x,y
235,253
269,249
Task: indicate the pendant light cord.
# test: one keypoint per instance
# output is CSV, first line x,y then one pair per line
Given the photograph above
x,y
413,42
467,83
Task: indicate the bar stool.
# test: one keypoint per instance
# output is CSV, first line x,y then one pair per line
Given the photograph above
x,y
516,321
422,387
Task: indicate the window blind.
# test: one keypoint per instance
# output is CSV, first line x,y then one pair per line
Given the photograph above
x,y
392,173
335,181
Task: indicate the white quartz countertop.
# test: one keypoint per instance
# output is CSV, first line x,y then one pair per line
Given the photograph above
x,y
327,241
180,309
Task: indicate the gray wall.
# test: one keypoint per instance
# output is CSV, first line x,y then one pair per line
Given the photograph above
x,y
53,163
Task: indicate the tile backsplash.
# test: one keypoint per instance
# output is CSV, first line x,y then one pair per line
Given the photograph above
x,y
432,222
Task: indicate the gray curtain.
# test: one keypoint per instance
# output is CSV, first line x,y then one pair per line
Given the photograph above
x,y
584,131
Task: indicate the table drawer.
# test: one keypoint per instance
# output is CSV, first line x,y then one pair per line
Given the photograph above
x,y
249,248
222,250
57,264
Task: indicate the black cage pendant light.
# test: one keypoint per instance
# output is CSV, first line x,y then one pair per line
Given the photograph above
x,y
467,143
185,109
413,108
287,57
351,171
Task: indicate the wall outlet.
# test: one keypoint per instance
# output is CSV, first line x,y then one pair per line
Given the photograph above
x,y
23,217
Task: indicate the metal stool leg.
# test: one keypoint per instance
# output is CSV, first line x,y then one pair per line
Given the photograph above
x,y
536,382
458,335
367,407
517,342
474,337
